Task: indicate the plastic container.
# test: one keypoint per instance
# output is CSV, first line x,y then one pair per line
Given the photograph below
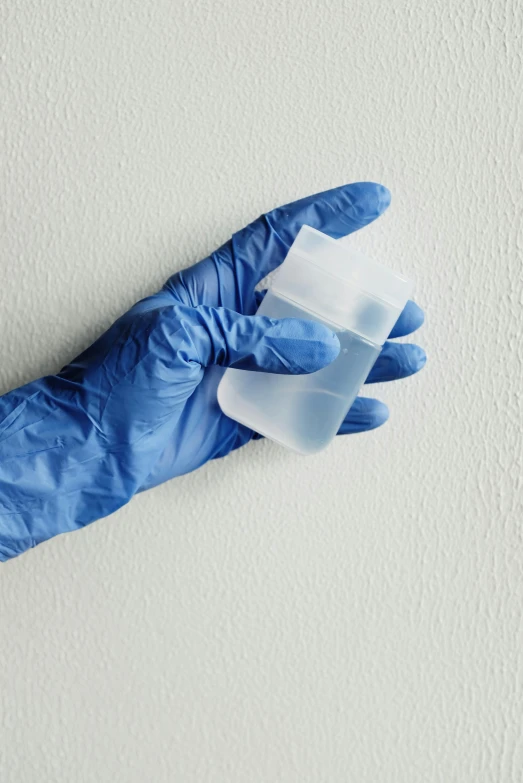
x,y
326,281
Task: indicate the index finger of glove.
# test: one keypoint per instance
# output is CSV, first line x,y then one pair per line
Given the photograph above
x,y
261,246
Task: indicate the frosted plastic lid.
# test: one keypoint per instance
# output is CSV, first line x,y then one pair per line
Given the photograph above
x,y
342,286
348,264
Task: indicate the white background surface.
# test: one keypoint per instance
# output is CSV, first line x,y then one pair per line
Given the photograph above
x,y
355,616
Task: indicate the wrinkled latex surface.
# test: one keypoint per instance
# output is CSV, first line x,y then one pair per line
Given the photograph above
x,y
139,406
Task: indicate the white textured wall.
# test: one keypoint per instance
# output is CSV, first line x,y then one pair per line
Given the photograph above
x,y
356,616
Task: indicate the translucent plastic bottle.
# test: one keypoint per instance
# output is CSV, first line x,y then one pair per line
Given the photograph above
x,y
326,281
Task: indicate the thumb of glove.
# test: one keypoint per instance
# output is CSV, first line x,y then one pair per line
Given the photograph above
x,y
288,345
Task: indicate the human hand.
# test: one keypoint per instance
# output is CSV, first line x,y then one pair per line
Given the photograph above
x,y
139,406
193,339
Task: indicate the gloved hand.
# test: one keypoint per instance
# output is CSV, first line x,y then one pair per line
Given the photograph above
x,y
139,406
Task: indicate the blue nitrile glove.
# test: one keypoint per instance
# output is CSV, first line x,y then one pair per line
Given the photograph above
x,y
139,406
